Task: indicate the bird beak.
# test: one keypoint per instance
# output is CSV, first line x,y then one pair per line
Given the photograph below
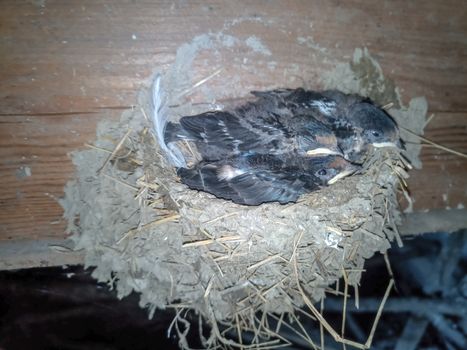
x,y
345,173
340,176
321,152
385,144
397,144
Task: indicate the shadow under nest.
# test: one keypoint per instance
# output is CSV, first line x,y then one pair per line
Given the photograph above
x,y
144,231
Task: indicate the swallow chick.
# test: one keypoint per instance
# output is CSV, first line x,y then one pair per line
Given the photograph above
x,y
356,121
259,127
260,178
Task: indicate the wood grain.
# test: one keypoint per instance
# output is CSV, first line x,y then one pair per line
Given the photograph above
x,y
66,65
442,182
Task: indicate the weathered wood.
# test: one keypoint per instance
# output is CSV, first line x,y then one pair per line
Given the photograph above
x,y
22,254
434,221
442,183
66,65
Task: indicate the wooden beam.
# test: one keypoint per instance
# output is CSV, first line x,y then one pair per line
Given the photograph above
x,y
22,254
434,221
66,65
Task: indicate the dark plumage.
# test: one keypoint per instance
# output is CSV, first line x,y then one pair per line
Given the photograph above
x,y
285,143
355,121
260,178
253,128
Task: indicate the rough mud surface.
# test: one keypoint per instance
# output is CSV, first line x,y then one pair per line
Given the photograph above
x,y
143,231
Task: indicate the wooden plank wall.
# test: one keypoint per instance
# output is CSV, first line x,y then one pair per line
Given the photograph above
x,y
65,65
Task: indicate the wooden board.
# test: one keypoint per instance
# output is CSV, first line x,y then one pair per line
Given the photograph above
x,y
66,65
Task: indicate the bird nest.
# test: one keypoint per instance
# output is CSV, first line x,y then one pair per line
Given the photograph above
x,y
245,270
233,264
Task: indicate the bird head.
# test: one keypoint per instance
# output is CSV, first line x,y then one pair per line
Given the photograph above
x,y
330,169
377,127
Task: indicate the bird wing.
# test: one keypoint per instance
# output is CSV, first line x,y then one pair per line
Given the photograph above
x,y
254,188
298,99
216,127
247,185
218,135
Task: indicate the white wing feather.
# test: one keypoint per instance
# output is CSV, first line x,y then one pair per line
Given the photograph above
x,y
159,121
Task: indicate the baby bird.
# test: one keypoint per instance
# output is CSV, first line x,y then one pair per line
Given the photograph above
x,y
262,178
355,121
253,128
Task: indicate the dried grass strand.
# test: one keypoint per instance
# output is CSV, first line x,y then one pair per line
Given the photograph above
x,y
116,149
149,225
436,145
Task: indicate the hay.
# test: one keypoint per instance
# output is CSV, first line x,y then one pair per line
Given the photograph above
x,y
238,267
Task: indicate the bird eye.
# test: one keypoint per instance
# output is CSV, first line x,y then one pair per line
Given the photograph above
x,y
375,133
322,172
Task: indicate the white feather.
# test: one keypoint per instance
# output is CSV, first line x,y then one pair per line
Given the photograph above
x,y
159,121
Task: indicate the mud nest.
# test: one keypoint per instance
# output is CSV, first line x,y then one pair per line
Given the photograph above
x,y
235,266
